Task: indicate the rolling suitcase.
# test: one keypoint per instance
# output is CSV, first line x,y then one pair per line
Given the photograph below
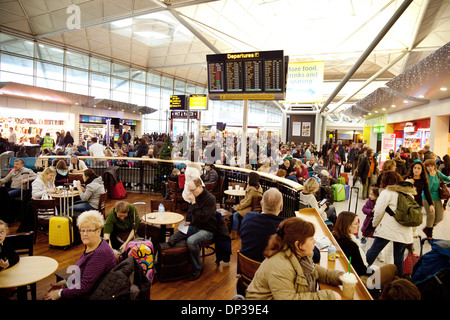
x,y
26,216
143,251
341,180
347,191
338,192
60,228
173,262
345,176
353,191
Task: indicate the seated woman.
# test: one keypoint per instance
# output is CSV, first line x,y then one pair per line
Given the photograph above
x,y
291,174
310,187
77,165
90,195
288,272
44,183
302,171
96,261
253,190
347,225
122,224
62,173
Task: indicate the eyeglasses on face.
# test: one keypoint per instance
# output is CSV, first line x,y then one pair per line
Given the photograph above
x,y
87,230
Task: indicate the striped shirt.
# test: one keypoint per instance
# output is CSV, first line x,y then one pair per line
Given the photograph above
x,y
93,266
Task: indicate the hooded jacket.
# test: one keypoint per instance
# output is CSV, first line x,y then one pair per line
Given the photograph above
x,y
386,225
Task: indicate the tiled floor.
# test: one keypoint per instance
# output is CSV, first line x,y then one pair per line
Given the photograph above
x,y
441,231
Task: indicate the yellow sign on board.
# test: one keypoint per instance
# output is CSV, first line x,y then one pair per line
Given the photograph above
x,y
304,82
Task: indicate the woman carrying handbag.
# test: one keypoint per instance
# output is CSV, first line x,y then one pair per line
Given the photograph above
x,y
436,182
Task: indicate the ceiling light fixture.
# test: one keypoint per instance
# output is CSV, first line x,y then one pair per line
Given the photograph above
x,y
393,105
443,89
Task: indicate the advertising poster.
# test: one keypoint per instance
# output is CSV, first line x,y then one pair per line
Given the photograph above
x,y
387,143
306,129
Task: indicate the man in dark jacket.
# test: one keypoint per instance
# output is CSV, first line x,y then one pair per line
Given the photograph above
x,y
201,221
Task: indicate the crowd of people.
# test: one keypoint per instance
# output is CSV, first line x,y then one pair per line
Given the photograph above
x,y
284,247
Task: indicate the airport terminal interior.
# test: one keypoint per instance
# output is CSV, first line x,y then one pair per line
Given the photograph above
x,y
176,87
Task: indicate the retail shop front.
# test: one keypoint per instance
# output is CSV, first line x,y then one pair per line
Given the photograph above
x,y
30,127
412,134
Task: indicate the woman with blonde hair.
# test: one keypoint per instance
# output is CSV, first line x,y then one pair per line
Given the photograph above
x,y
97,260
44,183
288,272
307,197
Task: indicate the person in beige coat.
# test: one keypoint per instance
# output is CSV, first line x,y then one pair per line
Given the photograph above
x,y
253,190
288,272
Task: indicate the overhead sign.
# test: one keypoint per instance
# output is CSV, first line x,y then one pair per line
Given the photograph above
x,y
184,114
178,102
304,82
198,102
250,75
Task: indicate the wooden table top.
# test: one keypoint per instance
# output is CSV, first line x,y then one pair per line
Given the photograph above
x,y
29,269
341,263
163,218
65,194
234,192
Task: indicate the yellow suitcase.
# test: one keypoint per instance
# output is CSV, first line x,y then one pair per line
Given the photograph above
x,y
60,231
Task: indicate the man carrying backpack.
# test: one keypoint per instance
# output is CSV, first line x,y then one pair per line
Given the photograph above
x,y
387,227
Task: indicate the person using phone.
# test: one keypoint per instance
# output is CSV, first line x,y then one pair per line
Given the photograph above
x,y
307,196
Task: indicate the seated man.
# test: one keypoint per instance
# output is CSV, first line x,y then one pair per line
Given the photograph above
x,y
256,228
201,221
18,176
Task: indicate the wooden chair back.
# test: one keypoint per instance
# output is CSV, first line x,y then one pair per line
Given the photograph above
x,y
102,203
256,204
247,268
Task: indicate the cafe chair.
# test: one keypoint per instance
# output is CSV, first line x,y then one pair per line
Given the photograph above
x,y
23,245
176,195
43,210
246,271
102,204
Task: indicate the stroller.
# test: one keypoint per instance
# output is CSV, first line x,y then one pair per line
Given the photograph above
x,y
431,273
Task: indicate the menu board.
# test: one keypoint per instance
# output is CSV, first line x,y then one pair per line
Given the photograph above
x,y
250,75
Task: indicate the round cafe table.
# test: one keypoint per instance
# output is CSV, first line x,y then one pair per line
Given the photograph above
x,y
235,193
163,219
28,270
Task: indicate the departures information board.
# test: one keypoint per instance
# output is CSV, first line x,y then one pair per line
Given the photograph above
x,y
247,76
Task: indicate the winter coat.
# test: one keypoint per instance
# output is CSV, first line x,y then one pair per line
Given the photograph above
x,y
116,284
386,225
38,188
367,210
245,205
311,200
364,168
281,277
92,192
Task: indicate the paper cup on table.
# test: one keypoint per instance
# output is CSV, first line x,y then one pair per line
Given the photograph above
x,y
230,188
241,188
237,187
348,286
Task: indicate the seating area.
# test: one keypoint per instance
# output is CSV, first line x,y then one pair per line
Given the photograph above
x,y
230,279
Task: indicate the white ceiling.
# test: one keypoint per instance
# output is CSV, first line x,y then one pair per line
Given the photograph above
x,y
174,37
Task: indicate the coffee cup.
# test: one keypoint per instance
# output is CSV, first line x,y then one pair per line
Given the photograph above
x,y
230,188
237,187
241,188
348,285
